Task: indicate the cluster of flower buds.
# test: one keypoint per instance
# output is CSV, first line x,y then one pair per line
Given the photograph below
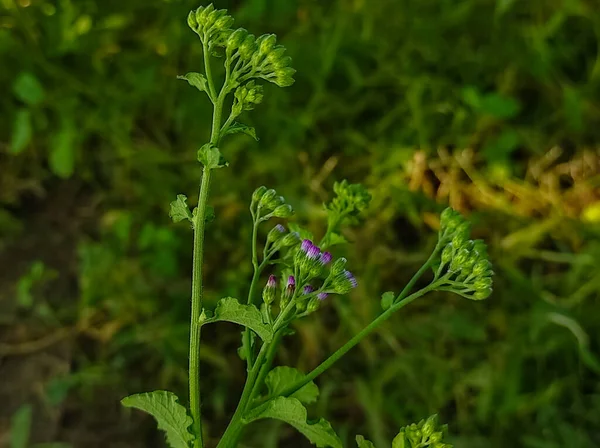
x,y
349,202
465,261
427,433
267,200
212,25
259,58
311,260
246,97
280,237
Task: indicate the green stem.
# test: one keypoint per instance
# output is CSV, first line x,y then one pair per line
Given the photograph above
x,y
264,370
199,228
255,277
208,71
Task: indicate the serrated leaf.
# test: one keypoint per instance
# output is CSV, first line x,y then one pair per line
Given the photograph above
x,y
291,411
281,377
336,239
230,310
62,152
364,443
28,89
302,232
387,299
22,131
240,127
195,80
169,414
180,210
210,156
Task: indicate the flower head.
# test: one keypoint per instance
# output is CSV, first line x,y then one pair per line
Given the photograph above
x,y
268,294
322,295
325,258
307,289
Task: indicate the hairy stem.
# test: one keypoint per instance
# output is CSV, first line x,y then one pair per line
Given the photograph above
x,y
199,228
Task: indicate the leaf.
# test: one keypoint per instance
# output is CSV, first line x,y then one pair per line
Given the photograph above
x,y
170,415
62,152
20,427
22,131
210,156
291,411
281,377
180,210
387,299
230,310
195,80
335,239
302,232
400,440
28,89
240,127
364,443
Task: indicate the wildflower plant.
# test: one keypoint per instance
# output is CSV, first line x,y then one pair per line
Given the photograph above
x,y
294,274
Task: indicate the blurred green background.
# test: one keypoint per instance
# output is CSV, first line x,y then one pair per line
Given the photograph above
x,y
491,106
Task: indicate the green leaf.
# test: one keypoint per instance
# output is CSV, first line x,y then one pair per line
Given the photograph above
x,y
364,443
336,239
400,440
22,131
230,310
240,127
195,80
20,427
281,377
210,156
62,152
170,415
28,89
302,232
291,411
387,299
180,210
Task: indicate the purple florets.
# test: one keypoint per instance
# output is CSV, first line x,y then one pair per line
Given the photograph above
x,y
272,282
325,258
280,228
313,252
322,295
291,281
351,278
306,245
307,289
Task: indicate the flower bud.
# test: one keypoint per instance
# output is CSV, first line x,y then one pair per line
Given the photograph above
x,y
268,294
430,425
482,294
236,38
283,211
275,233
482,283
267,198
313,305
191,20
447,253
325,258
223,23
436,437
338,266
308,289
459,260
265,43
247,47
284,76
202,14
481,268
258,193
322,296
290,239
344,283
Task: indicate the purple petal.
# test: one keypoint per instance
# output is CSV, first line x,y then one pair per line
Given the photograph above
x,y
308,289
272,282
291,281
322,295
306,245
325,258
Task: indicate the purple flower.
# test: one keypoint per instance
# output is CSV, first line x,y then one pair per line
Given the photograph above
x,y
307,289
325,258
272,282
280,228
322,295
306,245
351,278
291,281
313,252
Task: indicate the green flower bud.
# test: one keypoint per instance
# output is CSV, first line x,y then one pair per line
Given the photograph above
x,y
223,23
482,283
481,268
290,239
267,198
338,266
313,305
284,77
399,441
265,43
482,294
436,437
282,62
276,54
258,193
248,47
447,253
191,20
430,425
214,17
283,211
459,260
276,233
236,38
270,290
202,14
